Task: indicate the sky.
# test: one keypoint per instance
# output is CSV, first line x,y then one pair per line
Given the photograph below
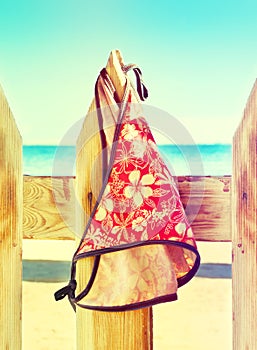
x,y
198,58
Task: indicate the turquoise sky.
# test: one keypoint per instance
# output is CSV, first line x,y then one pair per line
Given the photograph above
x,y
199,60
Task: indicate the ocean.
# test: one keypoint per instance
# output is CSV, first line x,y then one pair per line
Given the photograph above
x,y
193,160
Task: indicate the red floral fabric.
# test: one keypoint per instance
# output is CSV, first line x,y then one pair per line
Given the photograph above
x,y
141,201
138,230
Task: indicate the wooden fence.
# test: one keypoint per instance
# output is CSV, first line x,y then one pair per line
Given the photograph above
x,y
225,211
11,210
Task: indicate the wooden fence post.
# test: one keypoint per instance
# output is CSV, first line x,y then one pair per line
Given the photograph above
x,y
244,228
11,209
101,330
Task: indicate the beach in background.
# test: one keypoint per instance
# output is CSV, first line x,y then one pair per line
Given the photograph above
x,y
198,62
205,160
201,318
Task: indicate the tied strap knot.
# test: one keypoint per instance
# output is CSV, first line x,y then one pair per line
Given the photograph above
x,y
69,291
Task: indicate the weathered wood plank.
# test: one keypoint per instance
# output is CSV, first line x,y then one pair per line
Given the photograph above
x,y
49,207
244,223
206,199
207,204
10,229
103,330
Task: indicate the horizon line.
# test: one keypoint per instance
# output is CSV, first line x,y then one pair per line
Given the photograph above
x,y
158,144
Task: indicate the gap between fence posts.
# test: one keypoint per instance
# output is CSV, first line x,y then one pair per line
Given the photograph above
x,y
244,227
11,209
102,330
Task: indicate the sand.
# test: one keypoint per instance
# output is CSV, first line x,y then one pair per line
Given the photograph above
x,y
201,319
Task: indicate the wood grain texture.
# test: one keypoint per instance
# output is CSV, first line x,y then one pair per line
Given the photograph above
x,y
49,203
103,330
207,204
49,207
10,229
244,223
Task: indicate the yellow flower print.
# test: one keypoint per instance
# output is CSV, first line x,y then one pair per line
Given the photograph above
x,y
105,206
123,223
139,224
129,132
139,148
138,189
100,214
125,159
189,233
180,228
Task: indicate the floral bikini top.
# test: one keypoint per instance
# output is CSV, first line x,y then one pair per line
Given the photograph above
x,y
138,233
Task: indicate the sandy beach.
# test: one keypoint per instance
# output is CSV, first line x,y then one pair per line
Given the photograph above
x,y
199,320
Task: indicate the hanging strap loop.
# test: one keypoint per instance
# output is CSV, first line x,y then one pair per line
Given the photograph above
x,y
69,291
141,88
